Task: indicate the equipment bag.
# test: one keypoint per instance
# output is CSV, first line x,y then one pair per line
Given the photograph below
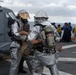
x,y
48,35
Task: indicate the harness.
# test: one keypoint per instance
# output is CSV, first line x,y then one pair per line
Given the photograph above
x,y
43,46
21,27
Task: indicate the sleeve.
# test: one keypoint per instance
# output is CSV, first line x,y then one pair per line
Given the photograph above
x,y
15,31
34,32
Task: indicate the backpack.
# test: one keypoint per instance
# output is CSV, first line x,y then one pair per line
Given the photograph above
x,y
48,34
48,39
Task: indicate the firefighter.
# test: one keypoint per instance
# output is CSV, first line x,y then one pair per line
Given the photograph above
x,y
18,40
43,56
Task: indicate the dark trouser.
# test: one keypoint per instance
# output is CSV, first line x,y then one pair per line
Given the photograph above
x,y
28,59
21,64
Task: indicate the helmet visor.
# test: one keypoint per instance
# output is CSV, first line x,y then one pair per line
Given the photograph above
x,y
23,14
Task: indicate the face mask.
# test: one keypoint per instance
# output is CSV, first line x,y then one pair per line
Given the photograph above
x,y
24,20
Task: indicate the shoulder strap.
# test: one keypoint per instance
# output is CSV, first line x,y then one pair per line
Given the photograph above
x,y
39,25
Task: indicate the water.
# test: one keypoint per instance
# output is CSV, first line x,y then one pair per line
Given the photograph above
x,y
32,23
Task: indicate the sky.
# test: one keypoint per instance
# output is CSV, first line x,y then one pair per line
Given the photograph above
x,y
59,11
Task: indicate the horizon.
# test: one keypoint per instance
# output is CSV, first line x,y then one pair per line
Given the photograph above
x,y
56,22
32,23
